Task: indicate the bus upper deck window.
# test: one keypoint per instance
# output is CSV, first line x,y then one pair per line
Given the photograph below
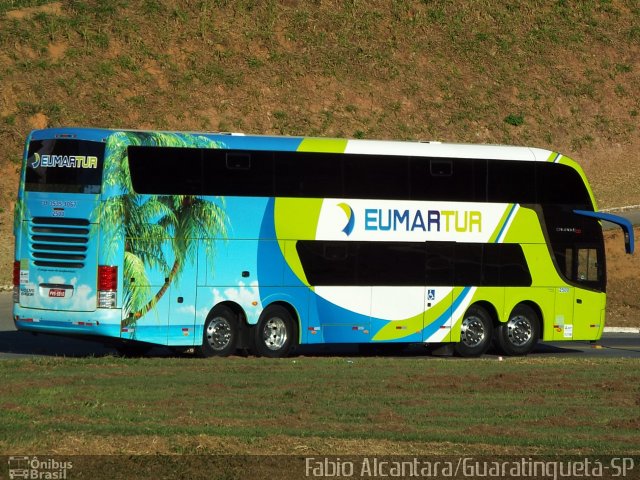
x,y
238,161
441,168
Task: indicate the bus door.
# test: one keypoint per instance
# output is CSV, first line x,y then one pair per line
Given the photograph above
x,y
437,321
439,294
565,294
588,308
579,311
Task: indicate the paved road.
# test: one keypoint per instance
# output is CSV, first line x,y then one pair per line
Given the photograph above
x,y
632,215
14,344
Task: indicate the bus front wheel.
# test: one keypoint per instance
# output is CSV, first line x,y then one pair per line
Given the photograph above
x,y
275,334
220,336
519,335
475,332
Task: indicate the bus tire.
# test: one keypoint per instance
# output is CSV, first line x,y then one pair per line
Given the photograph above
x,y
275,333
220,335
519,335
476,332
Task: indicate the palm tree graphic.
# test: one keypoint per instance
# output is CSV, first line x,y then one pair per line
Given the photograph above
x,y
161,232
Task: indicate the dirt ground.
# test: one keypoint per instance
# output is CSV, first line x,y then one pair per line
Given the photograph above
x,y
623,289
8,188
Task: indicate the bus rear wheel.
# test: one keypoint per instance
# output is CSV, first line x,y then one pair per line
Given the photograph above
x,y
275,334
220,335
475,333
519,335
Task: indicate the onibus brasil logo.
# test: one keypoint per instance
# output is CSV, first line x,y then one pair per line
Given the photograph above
x,y
35,468
64,161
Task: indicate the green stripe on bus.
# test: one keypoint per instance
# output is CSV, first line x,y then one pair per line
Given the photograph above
x,y
324,145
505,217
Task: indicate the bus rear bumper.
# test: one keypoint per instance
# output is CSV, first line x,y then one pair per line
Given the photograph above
x,y
102,322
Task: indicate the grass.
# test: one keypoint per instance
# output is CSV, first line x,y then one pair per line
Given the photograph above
x,y
522,406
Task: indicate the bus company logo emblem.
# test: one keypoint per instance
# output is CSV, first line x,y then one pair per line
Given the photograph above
x,y
64,161
36,161
351,219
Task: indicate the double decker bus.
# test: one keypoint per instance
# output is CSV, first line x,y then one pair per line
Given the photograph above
x,y
226,241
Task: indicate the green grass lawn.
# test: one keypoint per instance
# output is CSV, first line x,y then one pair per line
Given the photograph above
x,y
335,405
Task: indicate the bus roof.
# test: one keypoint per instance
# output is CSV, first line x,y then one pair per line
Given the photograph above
x,y
333,145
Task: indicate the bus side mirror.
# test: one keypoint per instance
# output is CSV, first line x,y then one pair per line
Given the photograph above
x,y
622,222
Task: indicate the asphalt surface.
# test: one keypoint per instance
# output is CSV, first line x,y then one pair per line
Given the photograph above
x,y
14,344
632,215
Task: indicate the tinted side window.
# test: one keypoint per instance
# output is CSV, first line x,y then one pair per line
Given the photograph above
x,y
468,264
236,172
505,265
491,265
329,263
511,182
561,184
454,179
308,175
418,264
391,263
439,264
372,176
165,170
195,171
362,263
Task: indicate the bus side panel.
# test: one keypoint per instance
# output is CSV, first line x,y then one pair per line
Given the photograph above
x,y
464,297
398,313
340,324
496,297
182,313
151,327
233,276
150,293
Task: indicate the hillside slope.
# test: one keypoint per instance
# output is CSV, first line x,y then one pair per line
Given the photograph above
x,y
561,75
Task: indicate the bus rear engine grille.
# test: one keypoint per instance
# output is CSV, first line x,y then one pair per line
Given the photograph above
x,y
59,242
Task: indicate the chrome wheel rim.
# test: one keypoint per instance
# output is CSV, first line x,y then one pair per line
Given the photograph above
x,y
472,332
219,333
519,330
274,333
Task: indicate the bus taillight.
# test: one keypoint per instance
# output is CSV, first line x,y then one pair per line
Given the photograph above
x,y
107,286
16,281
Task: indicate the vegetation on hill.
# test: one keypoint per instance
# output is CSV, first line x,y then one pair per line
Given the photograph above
x,y
557,74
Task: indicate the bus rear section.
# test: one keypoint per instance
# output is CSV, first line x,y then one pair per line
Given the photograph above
x,y
59,286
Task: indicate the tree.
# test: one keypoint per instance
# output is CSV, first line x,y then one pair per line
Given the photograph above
x,y
150,222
